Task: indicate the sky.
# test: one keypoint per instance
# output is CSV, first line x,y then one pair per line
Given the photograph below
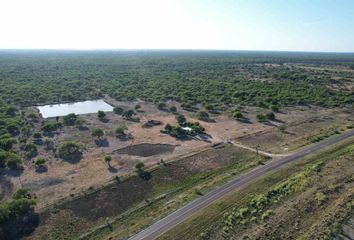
x,y
282,25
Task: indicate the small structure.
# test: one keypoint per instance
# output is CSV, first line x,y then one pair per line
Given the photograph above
x,y
188,129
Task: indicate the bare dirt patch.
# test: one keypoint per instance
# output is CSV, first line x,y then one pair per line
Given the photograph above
x,y
146,149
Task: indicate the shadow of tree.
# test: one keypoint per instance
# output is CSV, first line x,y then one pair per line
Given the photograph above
x,y
102,142
73,158
19,228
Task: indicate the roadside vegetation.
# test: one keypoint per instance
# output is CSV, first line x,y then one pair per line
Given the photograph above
x,y
312,203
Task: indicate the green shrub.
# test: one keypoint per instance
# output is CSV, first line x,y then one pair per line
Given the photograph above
x,y
13,161
40,161
70,119
68,149
101,115
118,110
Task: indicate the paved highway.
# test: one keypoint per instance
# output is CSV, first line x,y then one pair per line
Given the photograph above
x,y
162,226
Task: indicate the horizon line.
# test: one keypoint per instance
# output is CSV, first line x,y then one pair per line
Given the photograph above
x,y
169,49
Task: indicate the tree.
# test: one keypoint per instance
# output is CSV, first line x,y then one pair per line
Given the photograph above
x,y
161,106
202,115
70,119
13,129
68,149
128,114
120,130
101,115
137,107
13,161
237,115
49,144
40,162
261,117
108,160
181,120
141,172
274,108
37,135
118,110
80,124
51,127
7,143
209,107
173,109
282,128
11,111
31,150
3,157
270,116
32,116
20,204
97,133
168,128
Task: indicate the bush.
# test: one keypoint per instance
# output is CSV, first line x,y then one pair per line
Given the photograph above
x,y
7,143
14,161
274,108
181,120
141,172
137,107
40,161
51,127
3,157
68,149
173,109
19,205
237,115
120,131
80,124
70,119
30,148
118,110
320,198
101,115
203,116
266,117
270,116
209,107
161,106
97,133
108,159
37,135
13,129
128,114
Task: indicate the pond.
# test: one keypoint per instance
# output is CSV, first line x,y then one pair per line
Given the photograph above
x,y
58,110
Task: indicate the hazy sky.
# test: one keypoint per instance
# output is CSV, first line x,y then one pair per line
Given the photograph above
x,y
295,25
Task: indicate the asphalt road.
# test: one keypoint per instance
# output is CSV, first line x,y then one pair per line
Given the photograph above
x,y
162,226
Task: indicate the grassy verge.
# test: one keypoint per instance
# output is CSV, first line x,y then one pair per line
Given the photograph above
x,y
289,203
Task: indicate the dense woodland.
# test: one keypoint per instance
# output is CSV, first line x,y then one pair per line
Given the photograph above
x,y
190,77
